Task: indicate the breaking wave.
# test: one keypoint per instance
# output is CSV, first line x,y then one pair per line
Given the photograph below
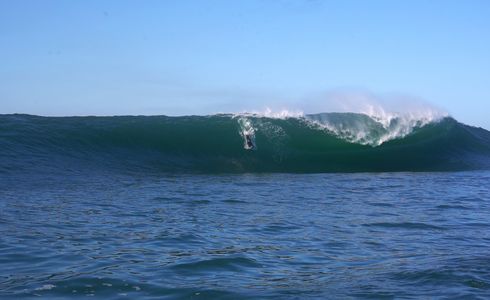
x,y
233,143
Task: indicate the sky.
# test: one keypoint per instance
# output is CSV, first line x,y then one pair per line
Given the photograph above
x,y
181,57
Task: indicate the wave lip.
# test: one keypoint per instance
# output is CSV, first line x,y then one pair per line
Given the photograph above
x,y
371,130
327,142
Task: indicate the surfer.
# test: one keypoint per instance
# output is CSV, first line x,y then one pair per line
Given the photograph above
x,y
248,139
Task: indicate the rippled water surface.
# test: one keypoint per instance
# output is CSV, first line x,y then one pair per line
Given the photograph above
x,y
400,235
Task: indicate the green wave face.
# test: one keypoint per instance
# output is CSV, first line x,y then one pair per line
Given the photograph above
x,y
331,142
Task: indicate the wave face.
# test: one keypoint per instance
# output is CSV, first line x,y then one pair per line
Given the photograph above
x,y
328,142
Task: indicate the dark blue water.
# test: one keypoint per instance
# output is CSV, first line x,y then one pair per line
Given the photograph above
x,y
278,236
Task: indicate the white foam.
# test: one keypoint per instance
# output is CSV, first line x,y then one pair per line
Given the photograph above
x,y
390,126
45,287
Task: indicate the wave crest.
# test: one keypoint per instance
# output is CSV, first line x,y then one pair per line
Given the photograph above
x,y
372,130
329,142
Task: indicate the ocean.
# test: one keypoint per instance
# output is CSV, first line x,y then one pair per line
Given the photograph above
x,y
325,206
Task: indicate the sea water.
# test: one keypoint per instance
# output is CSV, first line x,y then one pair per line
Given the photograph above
x,y
326,206
245,236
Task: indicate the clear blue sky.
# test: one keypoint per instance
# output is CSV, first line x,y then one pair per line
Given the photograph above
x,y
198,57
